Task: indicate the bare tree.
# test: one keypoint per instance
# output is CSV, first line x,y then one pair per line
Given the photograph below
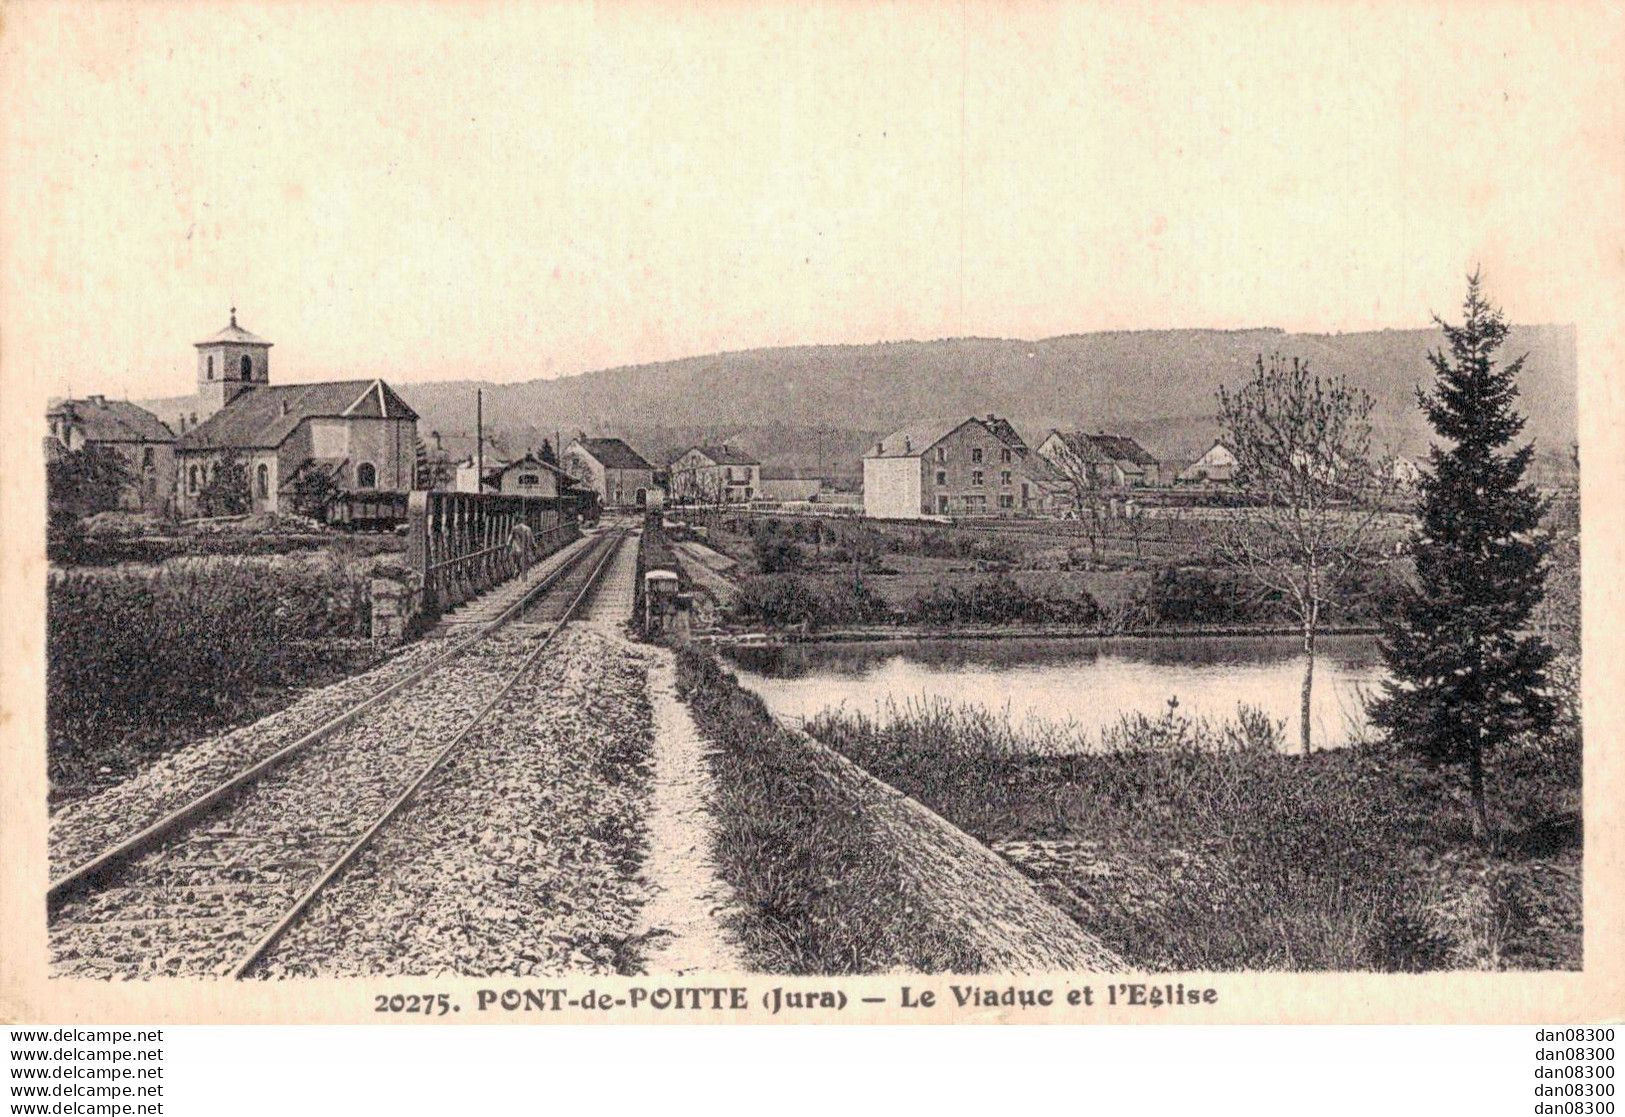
x,y
1075,468
1311,493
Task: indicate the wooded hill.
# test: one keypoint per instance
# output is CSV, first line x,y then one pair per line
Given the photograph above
x,y
817,408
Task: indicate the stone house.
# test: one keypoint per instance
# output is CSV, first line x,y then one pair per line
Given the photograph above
x,y
1099,461
139,437
614,472
953,468
715,475
1217,466
528,476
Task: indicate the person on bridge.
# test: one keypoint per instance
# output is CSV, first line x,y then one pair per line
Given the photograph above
x,y
522,545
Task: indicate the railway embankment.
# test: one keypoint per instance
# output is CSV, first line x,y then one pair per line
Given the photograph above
x,y
218,885
523,855
83,826
837,872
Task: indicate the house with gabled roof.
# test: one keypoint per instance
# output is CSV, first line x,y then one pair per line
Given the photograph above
x,y
357,434
1099,461
719,474
616,473
953,468
140,438
529,475
1216,466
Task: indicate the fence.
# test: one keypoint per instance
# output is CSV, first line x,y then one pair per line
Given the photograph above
x,y
461,544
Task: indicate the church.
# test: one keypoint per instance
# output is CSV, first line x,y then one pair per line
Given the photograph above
x,y
359,433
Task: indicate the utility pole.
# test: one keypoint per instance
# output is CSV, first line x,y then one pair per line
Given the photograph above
x,y
479,440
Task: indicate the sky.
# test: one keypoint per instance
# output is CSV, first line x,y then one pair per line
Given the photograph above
x,y
503,192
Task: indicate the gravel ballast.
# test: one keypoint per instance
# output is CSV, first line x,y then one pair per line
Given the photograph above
x,y
523,855
200,899
82,829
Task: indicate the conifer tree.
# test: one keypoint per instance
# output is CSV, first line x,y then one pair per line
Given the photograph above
x,y
1466,673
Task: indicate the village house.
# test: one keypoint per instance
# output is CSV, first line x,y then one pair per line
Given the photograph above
x,y
358,434
1046,491
613,471
447,463
141,440
1215,467
715,475
952,468
1099,461
529,475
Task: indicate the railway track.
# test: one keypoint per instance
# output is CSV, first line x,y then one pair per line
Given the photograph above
x,y
211,887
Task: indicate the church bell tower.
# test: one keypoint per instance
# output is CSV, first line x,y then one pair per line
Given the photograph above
x,y
230,363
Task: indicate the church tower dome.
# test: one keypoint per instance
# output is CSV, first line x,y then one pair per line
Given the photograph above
x,y
230,363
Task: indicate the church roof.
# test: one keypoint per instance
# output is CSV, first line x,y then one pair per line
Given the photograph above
x,y
233,335
262,417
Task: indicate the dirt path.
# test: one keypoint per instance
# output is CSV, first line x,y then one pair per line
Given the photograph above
x,y
688,901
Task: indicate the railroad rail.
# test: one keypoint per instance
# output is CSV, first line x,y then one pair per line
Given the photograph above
x,y
262,883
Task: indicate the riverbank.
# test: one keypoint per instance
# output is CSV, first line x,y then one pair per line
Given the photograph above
x,y
833,874
904,632
1193,847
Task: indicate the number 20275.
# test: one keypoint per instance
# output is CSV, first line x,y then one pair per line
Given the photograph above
x,y
429,1004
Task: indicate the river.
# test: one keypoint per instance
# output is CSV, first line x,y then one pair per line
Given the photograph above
x,y
1084,683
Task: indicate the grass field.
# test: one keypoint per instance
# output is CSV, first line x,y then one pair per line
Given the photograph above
x,y
1191,846
862,573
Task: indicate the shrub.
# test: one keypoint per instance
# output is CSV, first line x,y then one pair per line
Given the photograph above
x,y
952,544
149,651
1198,846
1000,600
793,601
225,491
778,556
82,483
117,525
1195,595
1183,595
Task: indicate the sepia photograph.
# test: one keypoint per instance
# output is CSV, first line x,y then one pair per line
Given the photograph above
x,y
1021,497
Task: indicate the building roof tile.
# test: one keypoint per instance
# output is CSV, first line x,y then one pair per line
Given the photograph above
x,y
233,334
727,455
912,441
262,417
112,420
612,453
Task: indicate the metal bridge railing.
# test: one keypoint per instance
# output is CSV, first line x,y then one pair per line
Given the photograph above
x,y
462,544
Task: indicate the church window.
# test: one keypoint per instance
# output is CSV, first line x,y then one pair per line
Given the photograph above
x,y
366,477
146,458
262,481
248,367
191,479
211,366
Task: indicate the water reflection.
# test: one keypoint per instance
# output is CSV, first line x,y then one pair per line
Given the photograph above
x,y
1085,683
